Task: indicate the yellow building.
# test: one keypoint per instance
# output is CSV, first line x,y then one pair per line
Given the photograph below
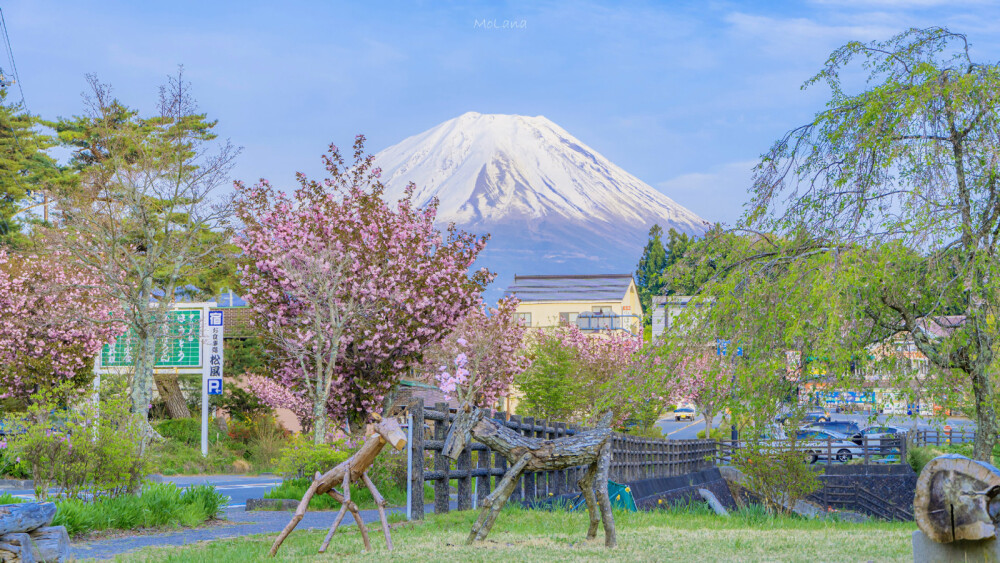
x,y
591,302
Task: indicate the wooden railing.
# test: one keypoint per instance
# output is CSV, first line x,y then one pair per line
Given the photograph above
x,y
879,451
938,437
632,459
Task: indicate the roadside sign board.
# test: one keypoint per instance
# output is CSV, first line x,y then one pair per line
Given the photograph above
x,y
181,348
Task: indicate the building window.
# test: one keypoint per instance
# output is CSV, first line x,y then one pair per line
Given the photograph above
x,y
524,319
566,319
602,309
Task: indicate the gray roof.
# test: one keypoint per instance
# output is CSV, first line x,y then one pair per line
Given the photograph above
x,y
604,287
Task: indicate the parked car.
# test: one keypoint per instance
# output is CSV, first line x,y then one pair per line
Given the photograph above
x,y
685,413
883,439
845,427
816,443
810,416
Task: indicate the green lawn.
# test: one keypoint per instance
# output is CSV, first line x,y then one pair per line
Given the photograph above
x,y
523,535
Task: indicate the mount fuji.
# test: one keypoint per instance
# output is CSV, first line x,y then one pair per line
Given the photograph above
x,y
551,204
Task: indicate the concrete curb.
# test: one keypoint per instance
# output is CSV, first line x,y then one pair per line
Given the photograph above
x,y
17,484
271,504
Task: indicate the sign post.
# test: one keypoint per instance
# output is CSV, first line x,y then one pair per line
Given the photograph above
x,y
211,381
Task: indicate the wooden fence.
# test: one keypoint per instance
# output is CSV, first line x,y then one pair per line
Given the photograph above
x,y
633,459
938,437
878,451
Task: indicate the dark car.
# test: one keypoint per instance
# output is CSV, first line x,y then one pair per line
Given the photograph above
x,y
845,427
811,416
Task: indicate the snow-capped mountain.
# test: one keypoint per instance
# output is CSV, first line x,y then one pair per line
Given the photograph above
x,y
551,203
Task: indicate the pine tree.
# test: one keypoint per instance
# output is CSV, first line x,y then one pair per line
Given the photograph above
x,y
649,274
26,171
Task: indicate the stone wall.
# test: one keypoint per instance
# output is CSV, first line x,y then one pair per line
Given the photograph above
x,y
660,491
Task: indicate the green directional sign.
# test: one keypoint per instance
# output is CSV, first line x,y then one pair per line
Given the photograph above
x,y
180,348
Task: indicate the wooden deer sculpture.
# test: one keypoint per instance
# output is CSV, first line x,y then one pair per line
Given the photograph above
x,y
350,471
591,448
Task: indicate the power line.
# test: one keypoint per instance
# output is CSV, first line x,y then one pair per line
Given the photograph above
x,y
13,65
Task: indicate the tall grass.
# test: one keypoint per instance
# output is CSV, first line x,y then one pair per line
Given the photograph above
x,y
159,505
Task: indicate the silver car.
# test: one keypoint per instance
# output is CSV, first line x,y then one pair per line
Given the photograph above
x,y
819,444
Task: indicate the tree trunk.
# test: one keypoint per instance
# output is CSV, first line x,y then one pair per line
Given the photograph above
x,y
170,391
319,422
142,380
986,417
708,424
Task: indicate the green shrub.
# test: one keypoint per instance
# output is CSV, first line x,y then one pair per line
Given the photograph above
x,y
9,466
389,470
208,500
184,430
295,489
776,474
300,458
92,448
918,457
715,434
177,458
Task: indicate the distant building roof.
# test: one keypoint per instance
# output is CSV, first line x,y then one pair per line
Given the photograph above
x,y
590,287
942,326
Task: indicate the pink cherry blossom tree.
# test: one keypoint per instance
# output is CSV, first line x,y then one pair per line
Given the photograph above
x,y
702,379
54,318
478,361
348,289
278,396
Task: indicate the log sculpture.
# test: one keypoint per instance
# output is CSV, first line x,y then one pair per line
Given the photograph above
x,y
352,470
591,448
957,499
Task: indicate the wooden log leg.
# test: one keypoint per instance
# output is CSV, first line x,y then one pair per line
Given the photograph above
x,y
300,512
586,484
336,522
380,503
603,463
493,503
362,527
345,505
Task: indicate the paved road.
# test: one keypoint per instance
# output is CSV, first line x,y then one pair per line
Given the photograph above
x,y
238,487
240,523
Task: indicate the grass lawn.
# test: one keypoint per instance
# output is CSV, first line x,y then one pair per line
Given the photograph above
x,y
529,535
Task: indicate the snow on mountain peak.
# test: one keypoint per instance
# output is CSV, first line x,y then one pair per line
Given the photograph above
x,y
487,169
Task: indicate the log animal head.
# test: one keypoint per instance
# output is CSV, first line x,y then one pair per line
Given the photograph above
x,y
461,430
389,429
957,499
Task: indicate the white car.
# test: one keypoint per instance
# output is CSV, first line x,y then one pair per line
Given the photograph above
x,y
685,413
817,443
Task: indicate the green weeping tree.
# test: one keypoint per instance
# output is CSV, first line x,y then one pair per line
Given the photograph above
x,y
883,212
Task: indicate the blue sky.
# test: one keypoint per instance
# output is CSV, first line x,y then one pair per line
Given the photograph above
x,y
684,95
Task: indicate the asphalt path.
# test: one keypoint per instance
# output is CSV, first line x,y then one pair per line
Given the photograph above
x,y
238,488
